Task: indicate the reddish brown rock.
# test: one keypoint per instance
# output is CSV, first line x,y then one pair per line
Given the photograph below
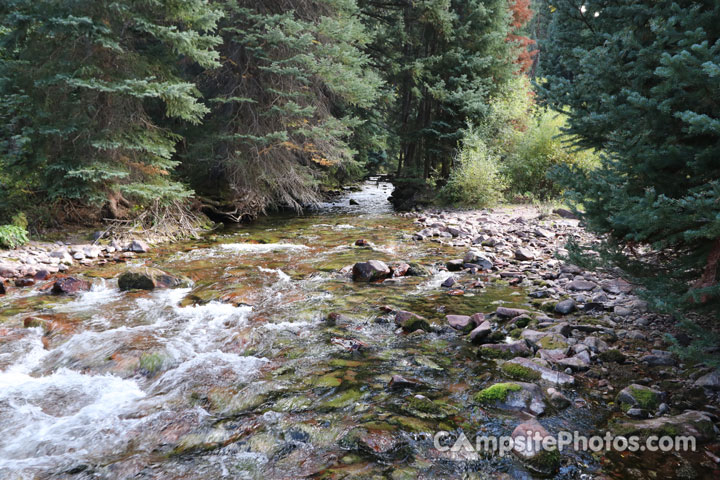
x,y
70,286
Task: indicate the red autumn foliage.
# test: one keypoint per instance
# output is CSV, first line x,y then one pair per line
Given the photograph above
x,y
521,15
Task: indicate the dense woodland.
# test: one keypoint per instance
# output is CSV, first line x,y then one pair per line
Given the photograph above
x,y
111,108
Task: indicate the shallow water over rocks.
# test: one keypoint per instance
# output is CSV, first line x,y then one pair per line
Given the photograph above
x,y
242,376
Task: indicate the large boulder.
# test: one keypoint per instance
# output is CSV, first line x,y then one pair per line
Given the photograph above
x,y
370,271
70,286
149,279
513,396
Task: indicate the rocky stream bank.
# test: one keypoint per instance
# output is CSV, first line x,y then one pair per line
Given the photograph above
x,y
335,347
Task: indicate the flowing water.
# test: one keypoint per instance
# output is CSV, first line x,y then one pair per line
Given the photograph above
x,y
241,376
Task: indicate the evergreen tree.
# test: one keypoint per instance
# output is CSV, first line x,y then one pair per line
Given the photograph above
x,y
641,80
445,61
291,72
85,89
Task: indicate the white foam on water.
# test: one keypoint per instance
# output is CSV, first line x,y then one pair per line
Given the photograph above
x,y
284,277
260,247
288,326
100,294
208,369
435,281
63,417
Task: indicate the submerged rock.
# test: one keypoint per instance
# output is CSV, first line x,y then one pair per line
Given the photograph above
x,y
70,286
148,279
370,271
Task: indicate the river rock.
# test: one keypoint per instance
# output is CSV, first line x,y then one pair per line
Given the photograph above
x,y
480,333
581,285
148,279
595,344
448,282
362,243
454,265
417,270
566,306
370,271
524,254
410,321
3,290
527,446
711,381
137,246
546,374
505,350
513,396
639,396
63,256
691,423
70,286
398,382
478,258
505,312
463,323
659,358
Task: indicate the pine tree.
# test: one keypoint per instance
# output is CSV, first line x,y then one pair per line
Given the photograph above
x,y
445,60
641,80
291,71
87,91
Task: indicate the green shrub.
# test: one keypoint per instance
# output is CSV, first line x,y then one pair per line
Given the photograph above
x,y
476,180
12,236
535,155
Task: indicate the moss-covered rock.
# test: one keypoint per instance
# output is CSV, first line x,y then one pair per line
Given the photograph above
x,y
513,396
639,396
612,356
519,372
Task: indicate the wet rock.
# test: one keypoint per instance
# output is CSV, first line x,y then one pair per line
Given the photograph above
x,y
546,374
362,243
400,270
398,382
70,286
711,381
505,312
3,290
566,306
449,282
462,323
370,271
581,285
505,350
41,275
62,256
148,279
333,318
524,254
352,201
639,396
690,423
455,265
381,444
659,358
513,396
410,322
480,333
478,258
417,270
24,282
138,246
528,439
559,401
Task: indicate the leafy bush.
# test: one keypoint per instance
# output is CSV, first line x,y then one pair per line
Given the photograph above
x,y
12,236
528,167
476,180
